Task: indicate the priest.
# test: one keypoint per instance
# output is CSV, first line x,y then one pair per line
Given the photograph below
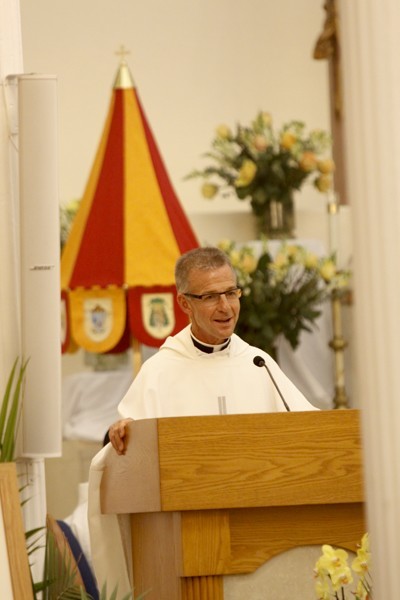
x,y
206,369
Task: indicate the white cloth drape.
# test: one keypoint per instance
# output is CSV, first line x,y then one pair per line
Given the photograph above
x,y
110,556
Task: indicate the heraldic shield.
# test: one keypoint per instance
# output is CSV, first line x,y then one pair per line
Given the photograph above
x,y
154,314
98,318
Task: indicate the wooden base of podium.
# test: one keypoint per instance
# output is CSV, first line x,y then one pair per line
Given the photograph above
x,y
200,588
185,555
216,496
155,553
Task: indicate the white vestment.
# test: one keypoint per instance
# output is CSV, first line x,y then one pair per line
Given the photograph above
x,y
181,380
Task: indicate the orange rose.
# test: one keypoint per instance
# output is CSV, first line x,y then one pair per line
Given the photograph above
x,y
260,142
308,161
246,174
266,119
323,183
209,190
223,132
326,166
287,140
328,270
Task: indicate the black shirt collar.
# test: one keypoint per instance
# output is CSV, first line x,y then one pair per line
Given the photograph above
x,y
208,348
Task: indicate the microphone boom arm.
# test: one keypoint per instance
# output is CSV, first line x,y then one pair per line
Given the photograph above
x,y
260,362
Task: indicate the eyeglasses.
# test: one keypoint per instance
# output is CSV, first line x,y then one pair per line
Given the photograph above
x,y
212,298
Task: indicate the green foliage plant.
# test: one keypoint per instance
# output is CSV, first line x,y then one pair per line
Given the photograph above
x,y
10,411
60,580
282,295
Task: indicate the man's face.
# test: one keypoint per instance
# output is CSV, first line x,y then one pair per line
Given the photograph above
x,y
211,324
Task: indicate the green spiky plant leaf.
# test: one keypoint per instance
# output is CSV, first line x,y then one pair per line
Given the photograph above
x,y
10,411
60,574
60,577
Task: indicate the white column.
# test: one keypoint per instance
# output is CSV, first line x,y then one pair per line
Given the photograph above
x,y
40,288
371,81
40,263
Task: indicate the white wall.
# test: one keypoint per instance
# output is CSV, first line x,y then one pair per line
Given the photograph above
x,y
196,63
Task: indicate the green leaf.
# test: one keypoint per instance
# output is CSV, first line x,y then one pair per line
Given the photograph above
x,y
10,412
5,401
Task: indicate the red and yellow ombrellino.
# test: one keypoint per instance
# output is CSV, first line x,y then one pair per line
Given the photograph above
x,y
117,266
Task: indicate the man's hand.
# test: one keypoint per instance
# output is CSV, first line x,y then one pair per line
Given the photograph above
x,y
117,433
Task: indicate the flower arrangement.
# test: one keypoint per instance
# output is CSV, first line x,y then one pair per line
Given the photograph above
x,y
333,573
282,296
258,163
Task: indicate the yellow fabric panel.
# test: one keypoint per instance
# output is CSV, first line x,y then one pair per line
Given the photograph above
x,y
150,245
93,333
71,248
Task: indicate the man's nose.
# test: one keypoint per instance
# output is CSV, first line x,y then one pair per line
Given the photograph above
x,y
222,299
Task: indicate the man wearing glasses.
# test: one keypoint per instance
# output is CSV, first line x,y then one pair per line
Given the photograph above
x,y
206,369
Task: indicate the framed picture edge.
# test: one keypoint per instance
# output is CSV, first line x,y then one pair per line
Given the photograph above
x,y
10,506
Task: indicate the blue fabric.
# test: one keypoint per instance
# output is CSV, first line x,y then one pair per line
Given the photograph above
x,y
83,565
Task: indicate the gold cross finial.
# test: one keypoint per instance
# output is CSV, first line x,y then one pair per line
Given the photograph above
x,y
122,53
124,79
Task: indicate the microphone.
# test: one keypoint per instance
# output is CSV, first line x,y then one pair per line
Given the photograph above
x,y
260,362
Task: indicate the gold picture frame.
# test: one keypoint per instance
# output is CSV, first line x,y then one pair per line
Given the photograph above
x,y
12,537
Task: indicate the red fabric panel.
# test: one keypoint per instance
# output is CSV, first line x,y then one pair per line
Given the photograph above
x,y
124,343
100,260
67,340
182,229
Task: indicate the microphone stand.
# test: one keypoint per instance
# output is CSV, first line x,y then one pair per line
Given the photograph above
x,y
260,362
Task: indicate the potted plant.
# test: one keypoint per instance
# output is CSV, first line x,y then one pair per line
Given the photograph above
x,y
334,575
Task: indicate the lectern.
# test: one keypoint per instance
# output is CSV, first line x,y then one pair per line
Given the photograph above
x,y
212,496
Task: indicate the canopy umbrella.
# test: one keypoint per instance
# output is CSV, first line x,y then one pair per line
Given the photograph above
x,y
117,266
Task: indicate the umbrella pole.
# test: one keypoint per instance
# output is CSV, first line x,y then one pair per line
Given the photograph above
x,y
137,356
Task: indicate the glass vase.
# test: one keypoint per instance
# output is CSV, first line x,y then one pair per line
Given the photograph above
x,y
278,220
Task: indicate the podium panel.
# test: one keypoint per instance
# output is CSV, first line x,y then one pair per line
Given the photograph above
x,y
221,495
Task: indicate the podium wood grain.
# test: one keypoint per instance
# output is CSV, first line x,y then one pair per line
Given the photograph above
x,y
15,552
218,495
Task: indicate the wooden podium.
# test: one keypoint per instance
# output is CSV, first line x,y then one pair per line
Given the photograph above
x,y
220,495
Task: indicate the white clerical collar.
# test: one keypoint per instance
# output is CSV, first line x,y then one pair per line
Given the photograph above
x,y
209,348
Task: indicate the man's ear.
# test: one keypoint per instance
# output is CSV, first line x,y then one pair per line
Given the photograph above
x,y
184,304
